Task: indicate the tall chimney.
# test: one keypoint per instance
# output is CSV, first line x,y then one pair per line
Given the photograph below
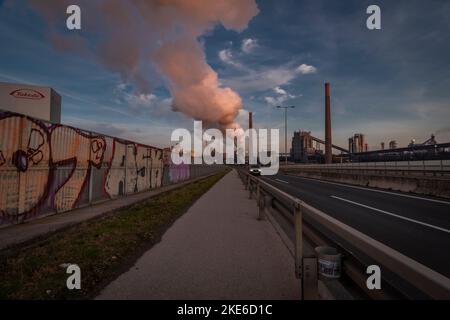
x,y
328,152
250,140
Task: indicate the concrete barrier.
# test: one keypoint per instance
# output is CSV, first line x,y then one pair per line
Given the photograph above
x,y
426,185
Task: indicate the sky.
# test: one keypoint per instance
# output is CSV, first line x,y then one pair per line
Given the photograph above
x,y
390,84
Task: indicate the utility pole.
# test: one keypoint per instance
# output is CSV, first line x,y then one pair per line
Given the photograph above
x,y
285,130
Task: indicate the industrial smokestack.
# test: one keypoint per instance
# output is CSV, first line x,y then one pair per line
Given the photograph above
x,y
328,152
250,140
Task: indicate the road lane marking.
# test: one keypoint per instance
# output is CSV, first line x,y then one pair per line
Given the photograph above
x,y
373,190
281,180
392,214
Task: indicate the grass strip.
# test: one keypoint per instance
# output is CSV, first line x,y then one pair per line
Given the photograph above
x,y
103,248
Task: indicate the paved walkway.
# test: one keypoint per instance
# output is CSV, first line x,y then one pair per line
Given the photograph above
x,y
41,227
216,250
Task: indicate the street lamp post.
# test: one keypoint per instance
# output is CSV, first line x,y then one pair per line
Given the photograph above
x,y
285,130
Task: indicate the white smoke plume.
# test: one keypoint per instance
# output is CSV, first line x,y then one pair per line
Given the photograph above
x,y
138,37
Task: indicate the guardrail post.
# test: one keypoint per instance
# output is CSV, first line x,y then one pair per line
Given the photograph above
x,y
267,203
260,201
250,188
298,245
310,279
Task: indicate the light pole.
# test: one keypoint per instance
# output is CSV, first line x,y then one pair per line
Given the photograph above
x,y
285,130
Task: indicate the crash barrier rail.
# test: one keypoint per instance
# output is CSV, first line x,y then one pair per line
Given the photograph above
x,y
409,279
423,168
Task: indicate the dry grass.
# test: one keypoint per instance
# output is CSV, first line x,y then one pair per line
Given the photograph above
x,y
103,248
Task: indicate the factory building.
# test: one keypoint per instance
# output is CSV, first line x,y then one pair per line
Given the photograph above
x,y
302,144
38,102
356,143
392,144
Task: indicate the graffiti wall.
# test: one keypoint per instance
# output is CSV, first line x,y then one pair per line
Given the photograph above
x,y
133,168
47,168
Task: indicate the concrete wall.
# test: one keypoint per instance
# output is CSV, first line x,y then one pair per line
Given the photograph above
x,y
418,165
427,185
47,168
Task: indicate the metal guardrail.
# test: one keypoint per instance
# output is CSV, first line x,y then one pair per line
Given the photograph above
x,y
430,283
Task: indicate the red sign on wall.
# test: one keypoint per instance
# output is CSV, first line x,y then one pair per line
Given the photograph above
x,y
27,94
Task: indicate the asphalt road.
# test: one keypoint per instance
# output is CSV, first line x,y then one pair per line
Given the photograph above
x,y
416,226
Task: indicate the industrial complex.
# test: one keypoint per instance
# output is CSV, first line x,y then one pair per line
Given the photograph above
x,y
306,148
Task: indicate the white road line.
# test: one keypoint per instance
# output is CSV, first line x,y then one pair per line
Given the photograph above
x,y
392,214
281,180
373,190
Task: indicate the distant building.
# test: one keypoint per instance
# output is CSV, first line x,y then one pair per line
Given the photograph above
x,y
392,144
38,102
432,140
356,143
302,146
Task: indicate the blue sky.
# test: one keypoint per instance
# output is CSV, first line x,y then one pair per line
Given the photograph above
x,y
391,83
